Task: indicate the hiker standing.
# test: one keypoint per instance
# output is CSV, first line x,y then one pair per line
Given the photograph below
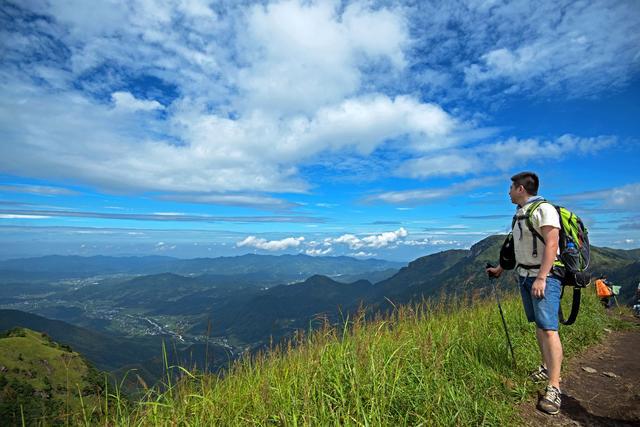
x,y
535,252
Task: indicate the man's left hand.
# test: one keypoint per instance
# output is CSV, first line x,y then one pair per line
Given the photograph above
x,y
537,290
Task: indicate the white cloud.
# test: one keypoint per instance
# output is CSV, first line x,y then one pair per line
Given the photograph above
x,y
503,49
163,247
126,101
439,165
42,190
114,150
374,241
305,55
241,99
318,252
165,216
18,216
235,126
248,200
271,245
502,155
384,239
427,195
626,197
506,154
349,239
574,51
429,242
362,254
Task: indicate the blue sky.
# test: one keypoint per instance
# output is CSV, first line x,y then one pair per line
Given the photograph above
x,y
369,128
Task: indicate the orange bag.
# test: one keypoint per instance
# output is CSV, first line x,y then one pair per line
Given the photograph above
x,y
602,290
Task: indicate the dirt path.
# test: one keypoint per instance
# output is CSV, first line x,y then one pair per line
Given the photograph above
x,y
595,399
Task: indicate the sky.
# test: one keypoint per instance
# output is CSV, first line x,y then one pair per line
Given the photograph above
x,y
384,129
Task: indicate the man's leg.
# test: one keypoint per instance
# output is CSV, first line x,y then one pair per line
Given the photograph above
x,y
547,322
540,341
551,348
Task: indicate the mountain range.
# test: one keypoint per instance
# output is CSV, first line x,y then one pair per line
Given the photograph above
x,y
218,314
283,267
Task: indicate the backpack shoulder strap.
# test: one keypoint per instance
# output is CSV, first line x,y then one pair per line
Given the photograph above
x,y
575,307
535,205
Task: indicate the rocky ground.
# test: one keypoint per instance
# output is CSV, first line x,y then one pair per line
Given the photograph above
x,y
600,387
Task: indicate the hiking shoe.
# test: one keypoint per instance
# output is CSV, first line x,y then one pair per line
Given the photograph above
x,y
550,402
540,375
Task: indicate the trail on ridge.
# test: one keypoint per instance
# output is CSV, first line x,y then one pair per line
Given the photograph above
x,y
608,397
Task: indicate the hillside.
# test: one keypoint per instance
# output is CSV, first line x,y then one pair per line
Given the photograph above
x,y
46,379
281,310
443,365
277,311
97,347
120,354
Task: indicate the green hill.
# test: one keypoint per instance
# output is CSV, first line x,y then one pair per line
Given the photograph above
x,y
97,347
118,354
41,380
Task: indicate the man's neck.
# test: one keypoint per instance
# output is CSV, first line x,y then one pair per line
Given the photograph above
x,y
527,199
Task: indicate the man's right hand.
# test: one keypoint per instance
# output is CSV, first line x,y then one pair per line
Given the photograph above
x,y
494,271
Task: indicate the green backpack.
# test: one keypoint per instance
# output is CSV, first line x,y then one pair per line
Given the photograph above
x,y
573,262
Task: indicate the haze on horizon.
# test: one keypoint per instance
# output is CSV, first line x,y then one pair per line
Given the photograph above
x,y
363,128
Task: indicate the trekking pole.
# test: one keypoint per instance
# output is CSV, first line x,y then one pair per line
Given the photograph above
x,y
492,280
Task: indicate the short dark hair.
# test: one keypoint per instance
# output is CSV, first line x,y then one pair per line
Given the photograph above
x,y
528,180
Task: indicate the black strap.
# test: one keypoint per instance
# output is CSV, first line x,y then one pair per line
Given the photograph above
x,y
533,231
575,307
528,267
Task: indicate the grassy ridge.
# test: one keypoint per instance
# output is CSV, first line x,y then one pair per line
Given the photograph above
x,y
41,381
446,364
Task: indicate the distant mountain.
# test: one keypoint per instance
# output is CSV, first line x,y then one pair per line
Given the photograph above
x,y
370,276
58,266
285,267
279,310
629,278
464,271
282,309
144,290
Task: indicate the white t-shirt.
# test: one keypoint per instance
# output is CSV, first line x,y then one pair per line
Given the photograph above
x,y
545,214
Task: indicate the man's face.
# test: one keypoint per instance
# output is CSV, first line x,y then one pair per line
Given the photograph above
x,y
514,191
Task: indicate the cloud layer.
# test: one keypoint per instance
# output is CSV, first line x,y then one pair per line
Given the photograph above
x,y
234,103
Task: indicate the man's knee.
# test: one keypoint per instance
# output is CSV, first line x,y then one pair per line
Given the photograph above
x,y
548,333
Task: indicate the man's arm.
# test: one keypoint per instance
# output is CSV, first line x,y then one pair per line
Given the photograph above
x,y
551,237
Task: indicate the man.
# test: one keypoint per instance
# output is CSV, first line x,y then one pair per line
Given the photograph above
x,y
539,288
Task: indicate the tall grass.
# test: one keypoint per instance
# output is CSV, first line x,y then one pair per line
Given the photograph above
x,y
442,364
